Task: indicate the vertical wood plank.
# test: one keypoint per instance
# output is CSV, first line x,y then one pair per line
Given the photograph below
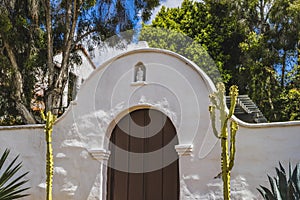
x,y
119,160
110,170
170,172
154,142
136,180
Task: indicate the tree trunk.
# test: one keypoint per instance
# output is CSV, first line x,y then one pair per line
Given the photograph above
x,y
53,101
34,11
24,112
50,93
269,88
18,94
71,22
57,84
262,16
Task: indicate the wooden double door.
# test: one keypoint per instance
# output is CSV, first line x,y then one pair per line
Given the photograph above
x,y
143,164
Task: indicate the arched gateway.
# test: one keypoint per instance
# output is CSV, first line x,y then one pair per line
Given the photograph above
x,y
117,108
143,164
140,120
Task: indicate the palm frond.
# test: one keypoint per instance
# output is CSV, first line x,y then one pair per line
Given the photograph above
x,y
11,184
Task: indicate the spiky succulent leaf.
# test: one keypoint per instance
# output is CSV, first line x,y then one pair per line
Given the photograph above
x,y
271,184
283,188
275,191
296,177
281,167
282,182
268,193
292,194
290,170
262,192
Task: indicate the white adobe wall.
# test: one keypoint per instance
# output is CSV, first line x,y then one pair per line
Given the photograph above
x,y
259,149
85,69
28,143
178,88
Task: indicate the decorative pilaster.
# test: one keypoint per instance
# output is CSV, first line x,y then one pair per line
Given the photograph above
x,y
102,155
185,152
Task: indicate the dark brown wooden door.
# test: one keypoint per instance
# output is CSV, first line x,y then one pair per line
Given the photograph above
x,y
143,164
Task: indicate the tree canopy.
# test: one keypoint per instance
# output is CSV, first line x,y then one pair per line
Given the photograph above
x,y
33,31
254,43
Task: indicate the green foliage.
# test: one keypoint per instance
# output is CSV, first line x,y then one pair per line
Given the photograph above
x,y
49,119
24,32
182,44
208,25
268,54
283,186
8,113
11,184
227,155
28,48
291,107
295,6
254,43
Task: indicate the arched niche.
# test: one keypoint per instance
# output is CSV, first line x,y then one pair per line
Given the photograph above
x,y
139,72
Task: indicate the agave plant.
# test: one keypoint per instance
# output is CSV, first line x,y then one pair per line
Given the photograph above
x,y
11,183
283,188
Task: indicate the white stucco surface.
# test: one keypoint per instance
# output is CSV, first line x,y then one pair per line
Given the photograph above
x,y
180,90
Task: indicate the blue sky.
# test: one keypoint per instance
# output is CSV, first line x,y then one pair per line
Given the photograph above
x,y
168,4
102,55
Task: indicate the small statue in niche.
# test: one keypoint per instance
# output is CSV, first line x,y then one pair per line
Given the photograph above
x,y
139,75
140,72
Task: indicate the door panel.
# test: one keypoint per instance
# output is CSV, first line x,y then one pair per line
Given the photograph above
x,y
154,142
119,179
151,176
